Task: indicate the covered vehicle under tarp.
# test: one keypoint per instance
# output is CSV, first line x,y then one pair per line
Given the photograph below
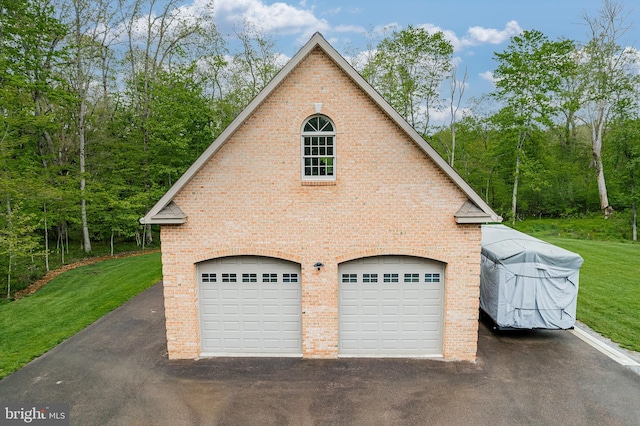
x,y
526,282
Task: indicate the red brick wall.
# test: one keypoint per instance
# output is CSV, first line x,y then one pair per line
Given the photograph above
x,y
388,198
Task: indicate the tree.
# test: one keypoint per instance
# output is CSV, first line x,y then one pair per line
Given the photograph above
x,y
528,78
161,37
17,239
456,92
625,143
88,45
251,68
407,69
606,75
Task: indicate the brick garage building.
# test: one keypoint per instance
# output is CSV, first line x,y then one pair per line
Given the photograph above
x,y
320,224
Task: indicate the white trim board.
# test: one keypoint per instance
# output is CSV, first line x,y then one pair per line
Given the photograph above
x,y
609,351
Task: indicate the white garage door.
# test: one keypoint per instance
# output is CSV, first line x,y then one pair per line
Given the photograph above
x,y
250,305
391,306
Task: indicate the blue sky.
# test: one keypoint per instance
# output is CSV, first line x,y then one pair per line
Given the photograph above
x,y
477,28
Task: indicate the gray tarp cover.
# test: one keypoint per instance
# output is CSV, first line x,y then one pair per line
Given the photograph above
x,y
526,282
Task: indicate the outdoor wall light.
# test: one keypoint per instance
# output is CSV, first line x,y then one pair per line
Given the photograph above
x,y
318,265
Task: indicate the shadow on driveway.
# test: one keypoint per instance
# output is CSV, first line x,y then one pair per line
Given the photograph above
x,y
116,372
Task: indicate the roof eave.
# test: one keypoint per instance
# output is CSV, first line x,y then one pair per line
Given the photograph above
x,y
162,221
476,220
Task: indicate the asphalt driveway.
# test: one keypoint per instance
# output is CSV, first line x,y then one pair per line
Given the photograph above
x,y
116,372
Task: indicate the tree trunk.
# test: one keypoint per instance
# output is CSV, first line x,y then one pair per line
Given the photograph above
x,y
452,161
602,186
634,226
83,201
10,249
149,235
514,198
597,129
46,238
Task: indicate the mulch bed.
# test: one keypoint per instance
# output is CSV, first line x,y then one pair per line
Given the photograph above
x,y
87,261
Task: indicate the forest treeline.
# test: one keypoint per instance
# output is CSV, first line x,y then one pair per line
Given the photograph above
x,y
105,103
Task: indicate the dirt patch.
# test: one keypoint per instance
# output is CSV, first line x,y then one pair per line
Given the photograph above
x,y
88,261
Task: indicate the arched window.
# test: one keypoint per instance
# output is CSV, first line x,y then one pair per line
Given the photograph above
x,y
318,149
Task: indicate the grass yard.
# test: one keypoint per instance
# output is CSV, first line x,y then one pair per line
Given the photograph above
x,y
609,293
31,326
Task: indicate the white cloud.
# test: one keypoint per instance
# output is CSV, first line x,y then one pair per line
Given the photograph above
x,y
487,75
480,35
476,36
272,18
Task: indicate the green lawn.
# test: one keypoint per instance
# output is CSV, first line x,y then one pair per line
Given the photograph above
x,y
609,293
31,326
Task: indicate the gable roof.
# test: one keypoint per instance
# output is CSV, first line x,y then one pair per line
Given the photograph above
x,y
476,210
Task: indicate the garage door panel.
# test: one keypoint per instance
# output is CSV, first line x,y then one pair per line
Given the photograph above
x,y
430,326
393,327
290,310
250,310
433,294
291,294
229,294
350,345
251,326
212,343
348,295
231,343
253,344
349,326
231,326
390,344
368,311
210,309
209,293
370,344
349,311
410,344
370,295
212,325
391,294
228,309
410,326
369,327
291,344
429,309
390,310
253,294
290,326
250,305
391,306
271,310
413,293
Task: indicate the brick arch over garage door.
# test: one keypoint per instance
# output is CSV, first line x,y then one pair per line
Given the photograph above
x,y
249,305
391,306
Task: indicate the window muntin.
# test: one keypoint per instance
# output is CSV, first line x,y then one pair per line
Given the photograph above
x,y
432,278
318,149
289,278
229,278
249,278
208,278
269,278
369,278
411,278
349,278
390,278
